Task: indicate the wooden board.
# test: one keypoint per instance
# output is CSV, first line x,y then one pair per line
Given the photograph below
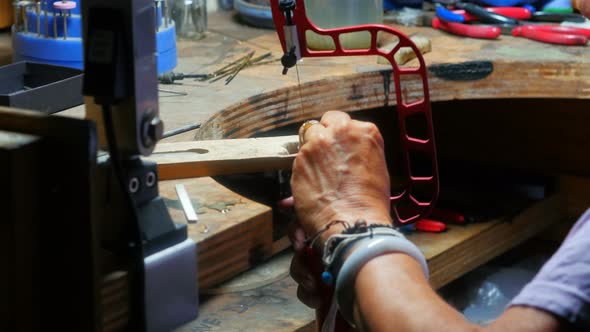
x,y
269,304
216,157
461,249
232,234
517,68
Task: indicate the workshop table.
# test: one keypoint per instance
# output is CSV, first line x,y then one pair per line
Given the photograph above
x,y
260,99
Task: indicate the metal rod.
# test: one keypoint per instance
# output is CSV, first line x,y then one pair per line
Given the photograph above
x,y
16,16
165,13
25,18
46,20
181,130
187,205
156,14
54,25
38,12
65,16
240,67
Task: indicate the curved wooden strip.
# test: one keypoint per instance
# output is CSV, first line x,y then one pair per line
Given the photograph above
x,y
362,91
182,160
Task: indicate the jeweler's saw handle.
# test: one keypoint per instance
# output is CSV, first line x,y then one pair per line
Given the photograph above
x,y
292,23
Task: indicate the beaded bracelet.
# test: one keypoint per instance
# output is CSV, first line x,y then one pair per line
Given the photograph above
x,y
368,241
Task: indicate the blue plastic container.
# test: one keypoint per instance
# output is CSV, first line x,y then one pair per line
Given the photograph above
x,y
33,46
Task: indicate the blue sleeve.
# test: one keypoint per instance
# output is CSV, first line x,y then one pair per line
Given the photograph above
x,y
562,287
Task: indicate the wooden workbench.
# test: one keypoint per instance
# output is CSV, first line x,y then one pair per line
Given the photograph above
x,y
260,99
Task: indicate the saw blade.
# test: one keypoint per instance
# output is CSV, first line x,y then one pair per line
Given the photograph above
x,y
299,88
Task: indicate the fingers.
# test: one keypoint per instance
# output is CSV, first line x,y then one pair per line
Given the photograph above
x,y
296,235
311,132
308,287
370,129
299,270
308,298
583,6
334,118
286,204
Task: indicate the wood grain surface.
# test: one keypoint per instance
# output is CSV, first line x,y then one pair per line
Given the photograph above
x,y
228,156
264,299
233,232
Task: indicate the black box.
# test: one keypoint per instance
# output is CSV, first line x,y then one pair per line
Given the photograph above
x,y
40,87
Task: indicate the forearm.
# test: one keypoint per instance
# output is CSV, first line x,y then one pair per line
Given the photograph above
x,y
393,294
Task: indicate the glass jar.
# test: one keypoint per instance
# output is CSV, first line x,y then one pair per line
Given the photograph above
x,y
341,13
190,17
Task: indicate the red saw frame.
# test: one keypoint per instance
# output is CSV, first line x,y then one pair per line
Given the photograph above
x,y
413,209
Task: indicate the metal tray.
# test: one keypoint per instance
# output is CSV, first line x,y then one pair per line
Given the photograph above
x,y
40,87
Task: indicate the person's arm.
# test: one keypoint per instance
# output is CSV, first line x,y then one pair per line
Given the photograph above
x,y
392,294
340,174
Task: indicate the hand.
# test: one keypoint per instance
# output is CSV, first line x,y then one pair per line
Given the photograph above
x,y
308,283
340,174
583,6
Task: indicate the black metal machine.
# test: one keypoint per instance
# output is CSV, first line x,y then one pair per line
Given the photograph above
x,y
72,218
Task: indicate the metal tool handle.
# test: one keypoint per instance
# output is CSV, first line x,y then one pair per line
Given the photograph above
x,y
473,31
530,32
412,147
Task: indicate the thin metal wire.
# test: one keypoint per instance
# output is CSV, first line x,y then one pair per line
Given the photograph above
x,y
299,88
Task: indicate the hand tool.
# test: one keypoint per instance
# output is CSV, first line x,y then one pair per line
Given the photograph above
x,y
65,9
16,9
473,31
484,15
503,3
406,54
181,130
517,13
38,14
448,216
20,13
548,34
46,19
170,77
292,24
461,16
54,24
430,226
557,17
544,33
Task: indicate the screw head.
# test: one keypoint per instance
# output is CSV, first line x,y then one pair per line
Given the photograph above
x,y
133,185
153,129
285,5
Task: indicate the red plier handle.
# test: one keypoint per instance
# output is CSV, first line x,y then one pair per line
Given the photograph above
x,y
467,30
518,13
552,35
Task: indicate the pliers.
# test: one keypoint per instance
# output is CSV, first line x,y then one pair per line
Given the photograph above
x,y
461,16
507,21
